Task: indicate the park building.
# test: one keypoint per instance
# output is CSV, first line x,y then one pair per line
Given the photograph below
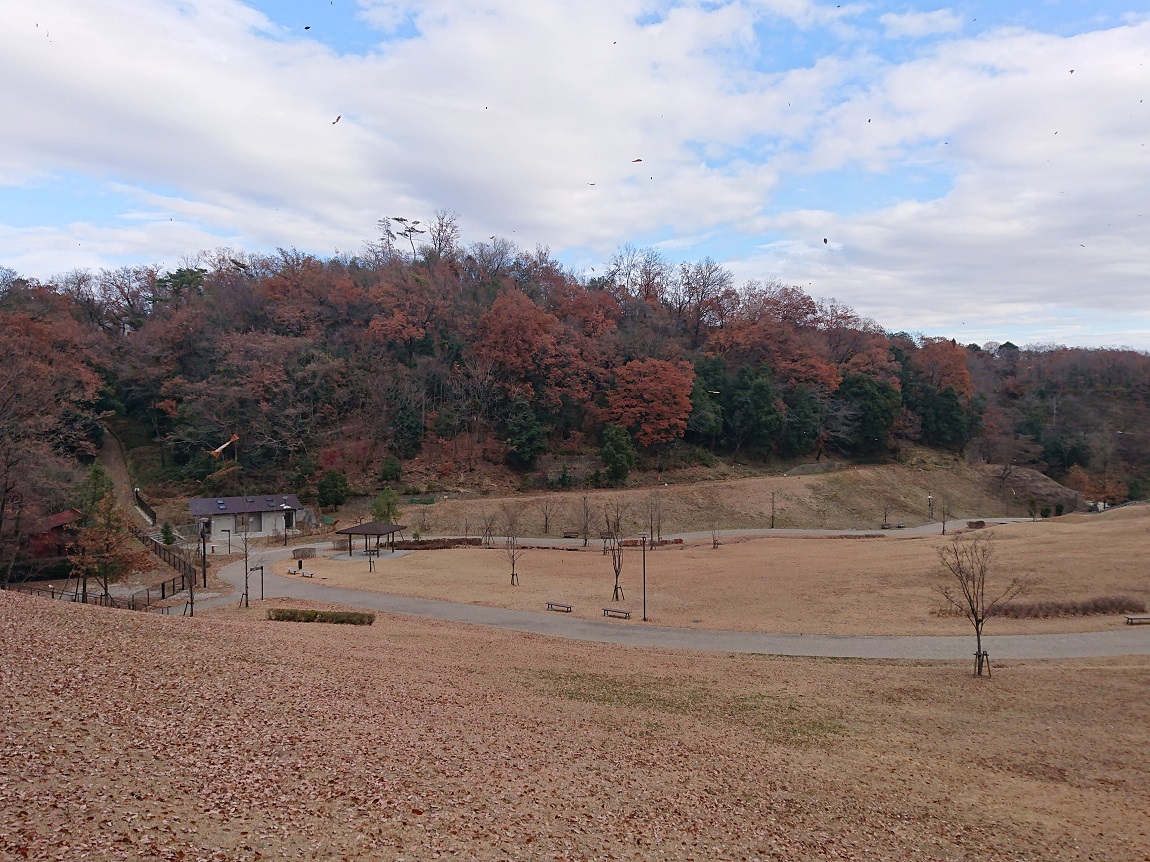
x,y
267,515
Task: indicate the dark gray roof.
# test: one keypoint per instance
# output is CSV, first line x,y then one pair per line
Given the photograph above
x,y
203,507
372,528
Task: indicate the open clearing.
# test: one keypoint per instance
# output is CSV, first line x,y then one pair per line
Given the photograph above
x,y
848,586
127,736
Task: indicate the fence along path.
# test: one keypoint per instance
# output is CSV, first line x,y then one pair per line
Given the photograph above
x,y
141,600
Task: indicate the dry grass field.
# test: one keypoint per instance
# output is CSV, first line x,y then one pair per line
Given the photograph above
x,y
228,737
850,498
886,585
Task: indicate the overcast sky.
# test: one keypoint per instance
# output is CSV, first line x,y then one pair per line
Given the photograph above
x,y
978,170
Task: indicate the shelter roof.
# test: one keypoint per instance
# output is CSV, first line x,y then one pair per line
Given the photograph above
x,y
60,519
372,528
203,507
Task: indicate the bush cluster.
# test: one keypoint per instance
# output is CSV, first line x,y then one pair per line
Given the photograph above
x,y
435,544
1081,608
305,615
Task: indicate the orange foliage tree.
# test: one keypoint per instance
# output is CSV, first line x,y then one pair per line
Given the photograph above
x,y
652,399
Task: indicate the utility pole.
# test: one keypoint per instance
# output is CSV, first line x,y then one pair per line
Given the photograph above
x,y
772,510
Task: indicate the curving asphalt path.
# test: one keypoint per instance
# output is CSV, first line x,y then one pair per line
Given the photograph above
x,y
1125,640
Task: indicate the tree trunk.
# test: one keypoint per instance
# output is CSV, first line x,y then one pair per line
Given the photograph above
x,y
978,650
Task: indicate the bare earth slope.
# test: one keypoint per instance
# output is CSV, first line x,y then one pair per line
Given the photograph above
x,y
126,736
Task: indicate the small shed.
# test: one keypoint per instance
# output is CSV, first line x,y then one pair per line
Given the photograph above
x,y
371,528
52,537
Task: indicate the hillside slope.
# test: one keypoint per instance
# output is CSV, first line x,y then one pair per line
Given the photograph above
x,y
850,498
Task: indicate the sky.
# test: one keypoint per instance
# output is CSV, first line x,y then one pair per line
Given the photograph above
x,y
979,170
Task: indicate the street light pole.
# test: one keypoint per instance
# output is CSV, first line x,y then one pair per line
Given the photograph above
x,y
204,548
261,568
930,505
643,542
204,559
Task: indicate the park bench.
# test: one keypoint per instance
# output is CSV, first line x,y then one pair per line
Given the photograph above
x,y
559,606
305,574
572,534
619,613
1137,619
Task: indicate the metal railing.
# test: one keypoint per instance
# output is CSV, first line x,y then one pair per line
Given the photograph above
x,y
139,601
145,507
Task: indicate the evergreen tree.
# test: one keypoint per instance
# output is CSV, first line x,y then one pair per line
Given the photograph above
x,y
526,437
333,489
618,454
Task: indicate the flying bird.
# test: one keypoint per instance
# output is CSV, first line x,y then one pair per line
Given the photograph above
x,y
307,27
824,240
337,119
635,160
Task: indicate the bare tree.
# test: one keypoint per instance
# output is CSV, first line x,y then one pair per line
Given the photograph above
x,y
653,516
488,521
887,506
585,513
548,507
512,514
613,512
945,507
968,561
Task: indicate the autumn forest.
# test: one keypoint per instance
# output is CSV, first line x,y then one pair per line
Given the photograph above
x,y
490,354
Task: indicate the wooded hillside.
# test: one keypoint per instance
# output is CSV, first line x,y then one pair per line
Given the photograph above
x,y
493,354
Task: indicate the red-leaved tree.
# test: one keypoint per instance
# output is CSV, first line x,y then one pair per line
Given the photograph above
x,y
651,398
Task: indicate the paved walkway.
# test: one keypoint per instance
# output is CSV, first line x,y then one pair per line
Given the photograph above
x,y
1123,640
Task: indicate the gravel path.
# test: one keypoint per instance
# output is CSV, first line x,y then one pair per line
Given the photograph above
x,y
1127,640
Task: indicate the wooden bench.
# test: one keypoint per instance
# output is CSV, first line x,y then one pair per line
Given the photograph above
x,y
1137,619
619,613
559,606
572,534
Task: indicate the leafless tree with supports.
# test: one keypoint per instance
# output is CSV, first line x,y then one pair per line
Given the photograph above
x,y
487,519
613,514
969,563
512,516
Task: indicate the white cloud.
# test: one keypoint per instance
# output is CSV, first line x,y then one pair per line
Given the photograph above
x,y
918,24
208,113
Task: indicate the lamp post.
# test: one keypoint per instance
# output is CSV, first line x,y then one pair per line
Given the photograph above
x,y
229,532
204,548
204,562
643,542
930,505
287,509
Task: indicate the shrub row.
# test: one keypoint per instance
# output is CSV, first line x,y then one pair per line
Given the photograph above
x,y
1082,608
305,615
435,544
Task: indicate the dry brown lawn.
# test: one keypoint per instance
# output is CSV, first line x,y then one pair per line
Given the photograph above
x,y
886,585
851,498
227,737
